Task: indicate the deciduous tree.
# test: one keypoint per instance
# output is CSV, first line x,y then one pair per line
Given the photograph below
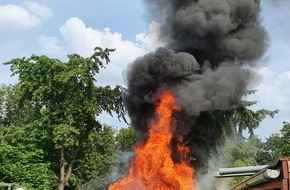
x,y
126,139
63,101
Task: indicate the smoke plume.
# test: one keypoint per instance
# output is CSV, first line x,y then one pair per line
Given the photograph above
x,y
211,45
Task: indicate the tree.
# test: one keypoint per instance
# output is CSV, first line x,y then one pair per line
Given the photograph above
x,y
285,139
126,139
98,159
243,152
277,145
23,162
8,108
63,102
214,128
253,151
241,118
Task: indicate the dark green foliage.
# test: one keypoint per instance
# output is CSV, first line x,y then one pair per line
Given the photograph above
x,y
285,139
254,151
241,118
8,107
22,162
126,139
111,100
275,146
242,154
97,160
220,125
239,152
56,103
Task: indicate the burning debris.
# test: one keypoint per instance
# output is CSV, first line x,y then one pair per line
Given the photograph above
x,y
206,65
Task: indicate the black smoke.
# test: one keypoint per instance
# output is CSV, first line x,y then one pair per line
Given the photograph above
x,y
210,46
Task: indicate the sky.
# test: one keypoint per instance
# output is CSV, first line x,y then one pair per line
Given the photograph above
x,y
58,28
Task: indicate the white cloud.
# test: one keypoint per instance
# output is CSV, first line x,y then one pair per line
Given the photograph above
x,y
266,72
18,17
285,76
50,46
12,16
78,38
39,10
153,37
274,93
271,97
82,39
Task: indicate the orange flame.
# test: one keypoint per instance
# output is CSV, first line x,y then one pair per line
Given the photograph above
x,y
152,167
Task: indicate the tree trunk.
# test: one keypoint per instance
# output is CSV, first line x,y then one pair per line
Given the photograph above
x,y
60,186
61,181
64,175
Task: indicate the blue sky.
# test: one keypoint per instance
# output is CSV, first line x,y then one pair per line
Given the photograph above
x,y
58,28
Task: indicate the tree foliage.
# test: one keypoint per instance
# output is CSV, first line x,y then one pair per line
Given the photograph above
x,y
243,152
240,119
57,104
275,146
126,139
255,151
22,162
219,125
98,159
285,139
8,106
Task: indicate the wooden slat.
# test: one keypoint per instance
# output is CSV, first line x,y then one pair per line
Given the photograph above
x,y
285,184
269,185
285,169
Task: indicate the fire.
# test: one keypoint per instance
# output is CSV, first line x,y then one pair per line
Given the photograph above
x,y
152,167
